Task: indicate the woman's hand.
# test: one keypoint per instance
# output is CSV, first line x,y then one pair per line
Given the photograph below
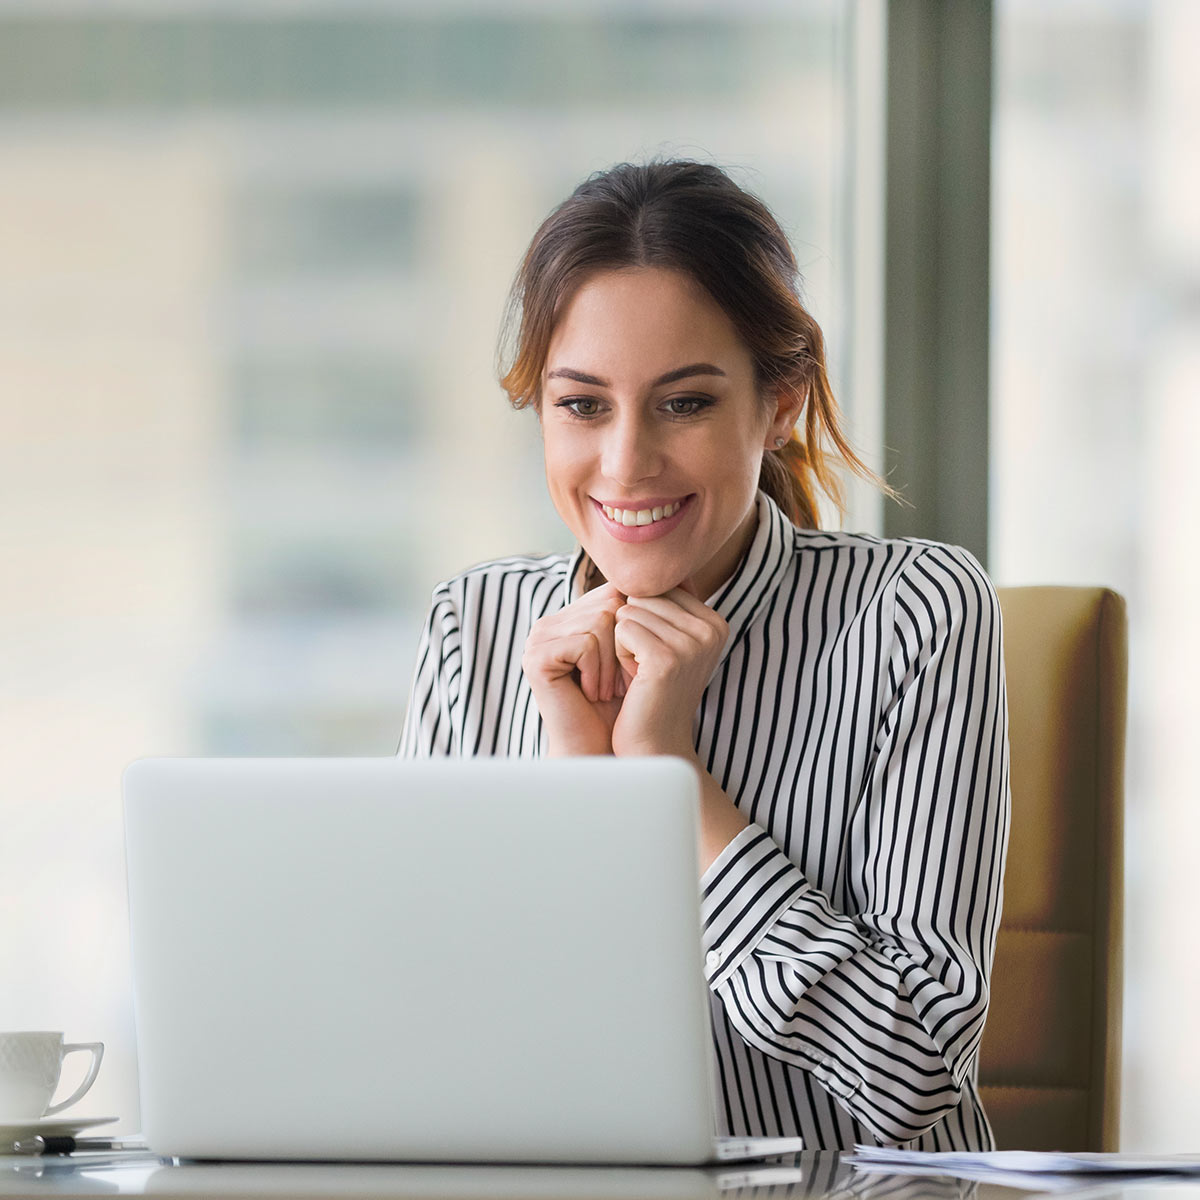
x,y
621,675
667,647
570,660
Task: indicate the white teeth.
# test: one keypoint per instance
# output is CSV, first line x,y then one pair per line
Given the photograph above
x,y
640,516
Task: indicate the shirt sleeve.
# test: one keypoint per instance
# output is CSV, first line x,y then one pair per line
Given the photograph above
x,y
432,728
881,992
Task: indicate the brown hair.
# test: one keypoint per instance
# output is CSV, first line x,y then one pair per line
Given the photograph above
x,y
691,217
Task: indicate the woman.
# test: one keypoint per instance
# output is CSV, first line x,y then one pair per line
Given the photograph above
x,y
842,696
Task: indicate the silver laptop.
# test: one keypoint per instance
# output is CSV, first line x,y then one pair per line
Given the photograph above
x,y
470,961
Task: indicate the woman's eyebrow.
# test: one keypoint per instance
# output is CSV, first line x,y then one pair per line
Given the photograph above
x,y
670,377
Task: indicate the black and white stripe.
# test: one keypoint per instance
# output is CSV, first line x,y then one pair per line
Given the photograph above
x,y
858,719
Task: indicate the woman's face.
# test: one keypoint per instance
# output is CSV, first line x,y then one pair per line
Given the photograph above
x,y
654,431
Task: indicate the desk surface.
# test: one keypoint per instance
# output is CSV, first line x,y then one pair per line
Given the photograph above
x,y
820,1174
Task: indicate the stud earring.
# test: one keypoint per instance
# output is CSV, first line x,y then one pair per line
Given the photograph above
x,y
779,443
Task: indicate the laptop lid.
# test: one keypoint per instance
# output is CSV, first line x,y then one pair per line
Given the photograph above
x,y
479,960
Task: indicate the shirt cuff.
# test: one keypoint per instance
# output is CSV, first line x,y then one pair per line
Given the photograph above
x,y
743,892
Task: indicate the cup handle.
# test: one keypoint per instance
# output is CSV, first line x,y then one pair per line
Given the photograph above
x,y
97,1049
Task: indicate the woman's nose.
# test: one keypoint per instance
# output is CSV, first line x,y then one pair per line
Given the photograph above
x,y
631,452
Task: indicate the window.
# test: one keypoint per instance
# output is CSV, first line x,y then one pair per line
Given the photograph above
x,y
1095,379
255,265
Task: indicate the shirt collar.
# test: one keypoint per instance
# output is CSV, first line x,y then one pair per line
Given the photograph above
x,y
753,581
578,569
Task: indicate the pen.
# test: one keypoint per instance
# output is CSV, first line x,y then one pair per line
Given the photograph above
x,y
69,1145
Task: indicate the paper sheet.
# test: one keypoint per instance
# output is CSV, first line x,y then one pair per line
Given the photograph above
x,y
1024,1168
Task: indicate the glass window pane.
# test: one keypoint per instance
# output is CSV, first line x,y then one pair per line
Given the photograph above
x,y
253,259
1096,375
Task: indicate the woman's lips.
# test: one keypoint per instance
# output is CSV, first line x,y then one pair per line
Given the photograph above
x,y
643,533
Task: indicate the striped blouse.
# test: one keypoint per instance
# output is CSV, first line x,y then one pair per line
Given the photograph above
x,y
857,718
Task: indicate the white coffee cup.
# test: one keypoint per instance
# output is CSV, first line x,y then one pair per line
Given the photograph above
x,y
30,1066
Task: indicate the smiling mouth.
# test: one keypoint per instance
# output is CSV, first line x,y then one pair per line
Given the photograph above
x,y
641,516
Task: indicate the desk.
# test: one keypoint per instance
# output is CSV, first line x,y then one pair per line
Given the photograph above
x,y
823,1176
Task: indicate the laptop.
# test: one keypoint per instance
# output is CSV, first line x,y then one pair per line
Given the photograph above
x,y
482,960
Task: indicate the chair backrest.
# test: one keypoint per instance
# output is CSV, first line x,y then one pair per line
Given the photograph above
x,y
1049,1064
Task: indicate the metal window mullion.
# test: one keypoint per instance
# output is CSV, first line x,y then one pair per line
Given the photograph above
x,y
936,269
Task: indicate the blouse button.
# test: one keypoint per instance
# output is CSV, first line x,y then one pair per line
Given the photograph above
x,y
712,960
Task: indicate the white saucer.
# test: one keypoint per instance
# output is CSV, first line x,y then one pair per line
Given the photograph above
x,y
17,1131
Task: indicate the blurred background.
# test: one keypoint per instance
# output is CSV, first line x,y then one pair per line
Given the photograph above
x,y
253,258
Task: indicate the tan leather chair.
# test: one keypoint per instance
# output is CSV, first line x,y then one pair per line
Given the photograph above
x,y
1050,1061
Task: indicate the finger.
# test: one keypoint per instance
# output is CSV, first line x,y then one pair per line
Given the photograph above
x,y
606,597
677,600
599,625
555,659
607,591
580,614
681,644
607,654
641,646
588,666
626,657
676,627
581,653
687,613
689,601
597,620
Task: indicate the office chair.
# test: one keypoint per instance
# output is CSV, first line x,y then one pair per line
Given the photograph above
x,y
1050,1060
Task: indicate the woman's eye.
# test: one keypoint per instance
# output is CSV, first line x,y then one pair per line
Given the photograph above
x,y
581,406
686,406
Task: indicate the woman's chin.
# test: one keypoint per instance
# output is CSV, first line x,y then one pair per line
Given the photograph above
x,y
642,580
